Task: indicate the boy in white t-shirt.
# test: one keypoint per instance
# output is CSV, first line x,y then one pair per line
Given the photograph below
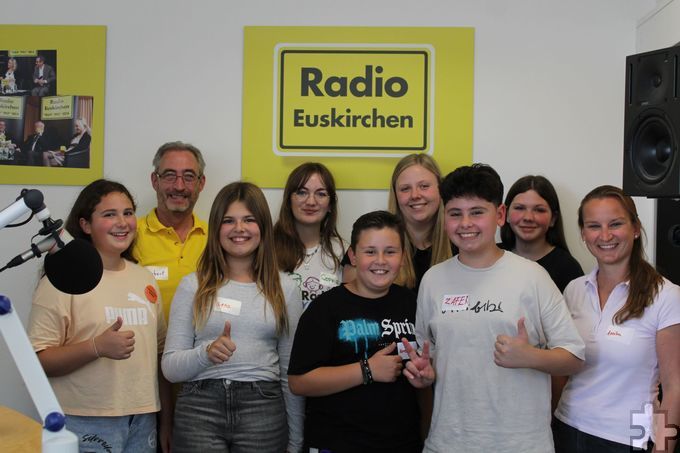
x,y
496,327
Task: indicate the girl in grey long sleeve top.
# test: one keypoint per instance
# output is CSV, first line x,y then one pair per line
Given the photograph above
x,y
230,333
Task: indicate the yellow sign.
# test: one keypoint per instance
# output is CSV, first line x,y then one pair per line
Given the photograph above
x,y
11,107
353,101
56,108
356,99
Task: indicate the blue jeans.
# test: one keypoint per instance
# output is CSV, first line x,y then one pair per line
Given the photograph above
x,y
570,440
230,416
126,433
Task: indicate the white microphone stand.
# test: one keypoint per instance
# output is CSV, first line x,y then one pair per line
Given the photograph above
x,y
55,438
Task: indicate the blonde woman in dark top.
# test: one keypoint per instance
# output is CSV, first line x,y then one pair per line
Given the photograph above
x,y
414,199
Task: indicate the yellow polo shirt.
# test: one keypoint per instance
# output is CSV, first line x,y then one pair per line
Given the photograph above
x,y
160,250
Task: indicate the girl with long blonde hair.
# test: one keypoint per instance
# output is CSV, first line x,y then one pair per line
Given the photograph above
x,y
230,334
414,198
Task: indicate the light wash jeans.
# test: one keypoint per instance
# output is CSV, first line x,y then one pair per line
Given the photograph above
x,y
123,434
229,416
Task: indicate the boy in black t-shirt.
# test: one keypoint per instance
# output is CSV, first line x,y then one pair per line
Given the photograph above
x,y
348,351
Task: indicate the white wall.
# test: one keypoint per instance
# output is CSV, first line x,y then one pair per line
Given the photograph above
x,y
549,85
659,28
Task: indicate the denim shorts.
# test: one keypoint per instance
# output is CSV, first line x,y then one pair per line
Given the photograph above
x,y
230,416
123,434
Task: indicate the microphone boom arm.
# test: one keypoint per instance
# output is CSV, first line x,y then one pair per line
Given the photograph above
x,y
55,438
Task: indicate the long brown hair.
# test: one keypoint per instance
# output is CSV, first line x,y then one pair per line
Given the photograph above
x,y
544,188
213,268
644,281
290,250
441,247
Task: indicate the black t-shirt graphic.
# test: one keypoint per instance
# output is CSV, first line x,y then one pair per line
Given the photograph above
x,y
340,328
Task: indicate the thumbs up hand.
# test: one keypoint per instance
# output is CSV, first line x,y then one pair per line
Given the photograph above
x,y
221,350
514,351
522,330
115,343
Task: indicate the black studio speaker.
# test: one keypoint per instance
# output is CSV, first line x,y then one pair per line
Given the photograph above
x,y
668,239
651,165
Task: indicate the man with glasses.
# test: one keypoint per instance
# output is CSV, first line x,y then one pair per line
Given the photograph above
x,y
171,238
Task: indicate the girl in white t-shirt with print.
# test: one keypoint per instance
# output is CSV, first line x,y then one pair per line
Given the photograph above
x,y
308,245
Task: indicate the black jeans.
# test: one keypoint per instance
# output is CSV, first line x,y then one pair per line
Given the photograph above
x,y
571,440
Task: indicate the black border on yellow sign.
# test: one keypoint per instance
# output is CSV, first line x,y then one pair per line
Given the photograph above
x,y
281,101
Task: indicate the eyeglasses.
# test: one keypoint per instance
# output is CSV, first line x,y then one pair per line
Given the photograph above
x,y
303,195
170,177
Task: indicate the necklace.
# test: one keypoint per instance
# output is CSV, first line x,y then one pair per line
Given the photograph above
x,y
308,257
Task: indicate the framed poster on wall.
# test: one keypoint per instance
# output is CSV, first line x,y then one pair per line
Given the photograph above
x,y
51,104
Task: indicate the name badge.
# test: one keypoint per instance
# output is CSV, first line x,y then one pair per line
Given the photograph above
x,y
455,302
329,279
229,306
621,334
401,349
159,272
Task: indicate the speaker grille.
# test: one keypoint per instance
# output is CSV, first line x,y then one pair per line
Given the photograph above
x,y
651,165
654,79
668,239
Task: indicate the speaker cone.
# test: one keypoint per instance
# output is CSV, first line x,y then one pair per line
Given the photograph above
x,y
653,149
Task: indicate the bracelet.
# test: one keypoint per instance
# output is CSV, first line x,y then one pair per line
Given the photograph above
x,y
366,372
94,345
